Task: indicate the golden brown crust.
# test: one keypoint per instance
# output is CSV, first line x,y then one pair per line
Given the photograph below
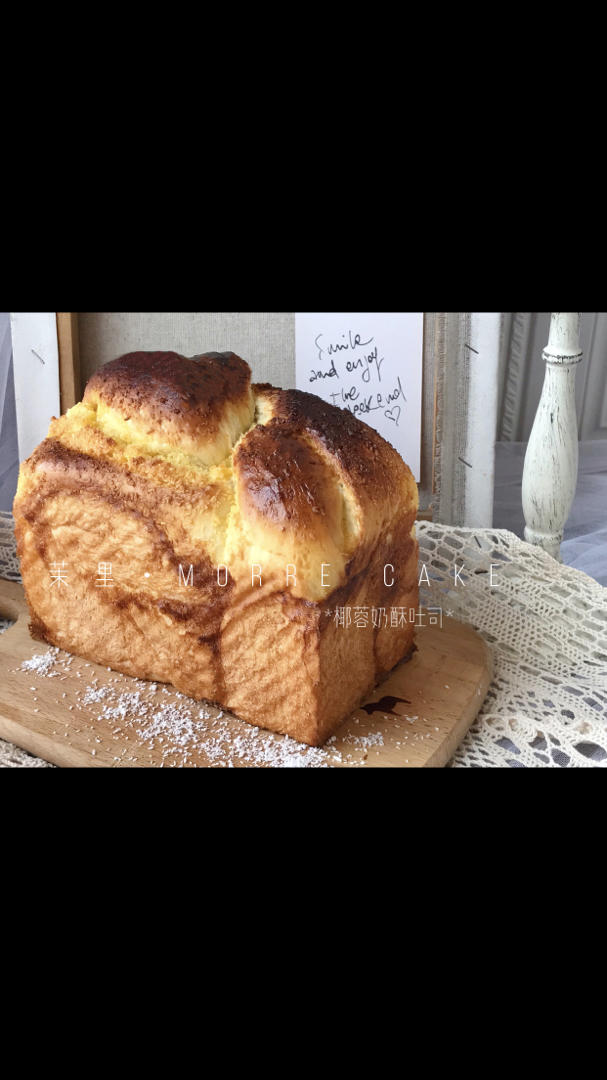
x,y
286,487
360,452
169,387
158,469
201,404
375,483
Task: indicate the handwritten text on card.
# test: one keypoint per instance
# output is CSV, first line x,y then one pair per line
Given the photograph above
x,y
370,364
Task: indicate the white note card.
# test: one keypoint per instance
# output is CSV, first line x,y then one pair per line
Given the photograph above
x,y
371,364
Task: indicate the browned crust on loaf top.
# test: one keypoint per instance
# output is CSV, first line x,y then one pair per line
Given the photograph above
x,y
192,392
371,480
284,479
362,454
170,385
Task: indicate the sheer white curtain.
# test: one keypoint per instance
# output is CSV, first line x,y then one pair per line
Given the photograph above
x,y
9,450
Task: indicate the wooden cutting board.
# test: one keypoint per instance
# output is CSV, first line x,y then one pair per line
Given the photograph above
x,y
79,714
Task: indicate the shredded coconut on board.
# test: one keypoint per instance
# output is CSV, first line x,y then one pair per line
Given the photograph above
x,y
42,663
181,730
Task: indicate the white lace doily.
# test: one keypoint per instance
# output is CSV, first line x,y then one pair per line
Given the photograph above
x,y
546,625
9,563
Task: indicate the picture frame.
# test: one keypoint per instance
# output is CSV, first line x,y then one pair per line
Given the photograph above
x,y
68,346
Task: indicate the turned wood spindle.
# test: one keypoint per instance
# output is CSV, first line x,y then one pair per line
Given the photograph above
x,y
551,461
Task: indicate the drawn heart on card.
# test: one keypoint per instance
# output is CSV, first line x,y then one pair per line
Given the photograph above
x,y
393,414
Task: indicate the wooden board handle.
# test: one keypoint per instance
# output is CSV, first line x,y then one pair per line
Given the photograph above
x,y
13,604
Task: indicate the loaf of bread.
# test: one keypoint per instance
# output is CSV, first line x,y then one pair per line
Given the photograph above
x,y
246,544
